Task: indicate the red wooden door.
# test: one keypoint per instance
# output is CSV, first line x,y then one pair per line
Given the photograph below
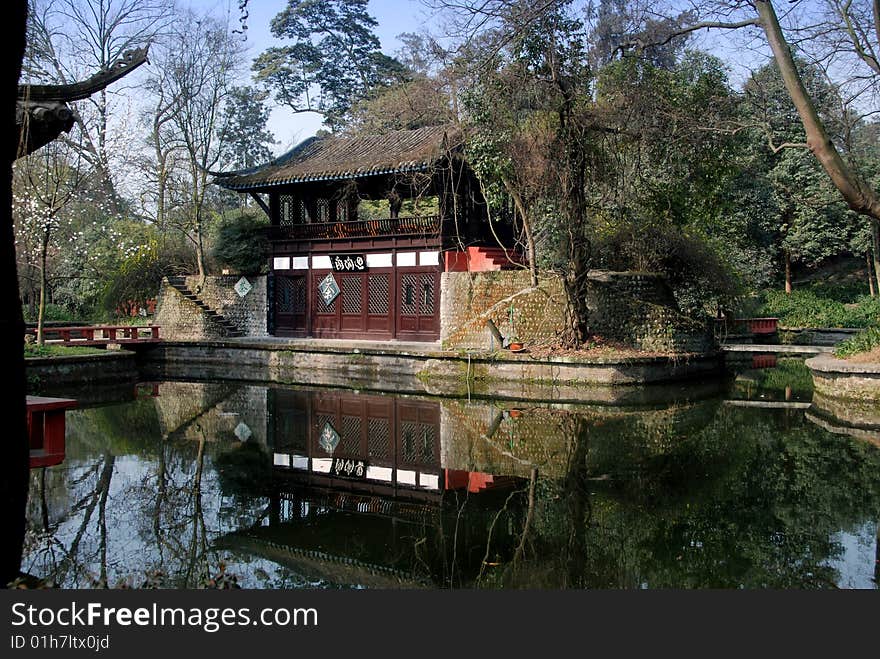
x,y
363,309
418,304
324,316
291,305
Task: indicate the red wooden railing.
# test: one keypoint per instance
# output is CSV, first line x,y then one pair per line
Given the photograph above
x,y
99,334
388,226
761,326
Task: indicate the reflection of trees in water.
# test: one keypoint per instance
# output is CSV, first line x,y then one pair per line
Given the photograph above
x,y
70,564
160,499
693,496
752,499
175,519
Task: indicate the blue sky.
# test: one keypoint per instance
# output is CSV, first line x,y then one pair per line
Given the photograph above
x,y
394,17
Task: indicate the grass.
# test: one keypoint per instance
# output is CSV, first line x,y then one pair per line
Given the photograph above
x,y
863,342
49,350
821,306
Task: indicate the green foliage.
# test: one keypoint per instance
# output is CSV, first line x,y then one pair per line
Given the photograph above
x,y
805,216
700,278
810,308
790,374
138,276
53,312
372,209
862,342
248,142
242,244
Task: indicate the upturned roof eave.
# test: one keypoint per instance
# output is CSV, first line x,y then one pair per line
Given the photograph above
x,y
246,186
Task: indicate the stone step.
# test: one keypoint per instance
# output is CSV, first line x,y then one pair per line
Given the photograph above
x,y
226,327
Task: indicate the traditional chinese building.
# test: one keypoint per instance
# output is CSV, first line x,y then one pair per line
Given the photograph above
x,y
362,228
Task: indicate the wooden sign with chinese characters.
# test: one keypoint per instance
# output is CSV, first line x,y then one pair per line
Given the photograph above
x,y
349,262
348,467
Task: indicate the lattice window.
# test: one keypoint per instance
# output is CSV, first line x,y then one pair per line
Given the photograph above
x,y
290,294
322,210
408,433
320,421
426,295
380,438
351,295
299,295
304,216
342,210
321,306
428,438
287,210
351,435
283,295
378,292
408,295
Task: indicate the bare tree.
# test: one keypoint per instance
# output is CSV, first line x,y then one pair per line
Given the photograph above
x,y
198,67
68,39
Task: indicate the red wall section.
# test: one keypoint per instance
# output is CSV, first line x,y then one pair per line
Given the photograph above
x,y
478,259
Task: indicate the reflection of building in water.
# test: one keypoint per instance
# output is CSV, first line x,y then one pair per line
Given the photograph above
x,y
368,443
360,495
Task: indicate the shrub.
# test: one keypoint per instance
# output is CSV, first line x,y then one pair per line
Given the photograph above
x,y
140,275
807,308
52,312
242,244
701,279
861,342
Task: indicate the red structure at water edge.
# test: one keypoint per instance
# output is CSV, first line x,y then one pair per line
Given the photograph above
x,y
45,424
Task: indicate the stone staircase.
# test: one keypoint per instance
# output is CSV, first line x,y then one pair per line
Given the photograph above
x,y
223,325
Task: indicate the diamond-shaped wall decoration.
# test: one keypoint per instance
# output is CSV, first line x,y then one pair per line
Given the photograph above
x,y
329,438
243,432
329,289
243,287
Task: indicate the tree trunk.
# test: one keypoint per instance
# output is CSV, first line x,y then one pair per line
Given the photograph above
x,y
527,230
858,195
787,271
200,253
41,309
870,273
875,229
14,474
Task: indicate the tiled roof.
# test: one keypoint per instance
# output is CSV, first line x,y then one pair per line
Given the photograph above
x,y
341,157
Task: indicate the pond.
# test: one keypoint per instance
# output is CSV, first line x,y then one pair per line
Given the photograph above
x,y
212,483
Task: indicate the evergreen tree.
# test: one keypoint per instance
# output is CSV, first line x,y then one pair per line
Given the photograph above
x,y
333,60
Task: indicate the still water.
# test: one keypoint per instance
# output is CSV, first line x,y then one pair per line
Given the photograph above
x,y
187,484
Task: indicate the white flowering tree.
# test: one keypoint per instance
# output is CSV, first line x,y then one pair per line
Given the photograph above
x,y
44,184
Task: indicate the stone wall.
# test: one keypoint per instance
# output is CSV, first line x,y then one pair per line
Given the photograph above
x,y
44,373
633,308
469,299
496,375
181,319
222,411
638,309
839,378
